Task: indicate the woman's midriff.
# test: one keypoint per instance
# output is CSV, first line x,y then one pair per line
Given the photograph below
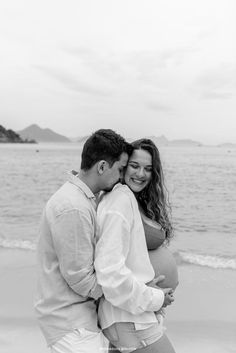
x,y
163,263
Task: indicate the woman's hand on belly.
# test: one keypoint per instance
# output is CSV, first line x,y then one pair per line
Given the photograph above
x,y
155,282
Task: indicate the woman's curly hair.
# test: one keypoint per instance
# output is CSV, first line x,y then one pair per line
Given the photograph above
x,y
154,197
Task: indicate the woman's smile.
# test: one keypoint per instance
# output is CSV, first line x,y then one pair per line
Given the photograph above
x,y
137,181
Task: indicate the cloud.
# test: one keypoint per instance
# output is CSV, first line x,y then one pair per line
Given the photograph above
x,y
78,51
105,64
141,65
159,106
216,95
177,55
160,59
72,81
152,67
217,83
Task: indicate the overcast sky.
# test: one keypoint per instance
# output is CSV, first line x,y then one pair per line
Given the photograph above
x,y
140,67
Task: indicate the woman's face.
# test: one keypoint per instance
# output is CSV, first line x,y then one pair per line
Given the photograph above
x,y
139,170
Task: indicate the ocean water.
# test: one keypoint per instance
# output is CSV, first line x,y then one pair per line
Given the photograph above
x,y
202,191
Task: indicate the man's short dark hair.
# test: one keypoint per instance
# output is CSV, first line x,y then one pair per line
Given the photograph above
x,y
104,144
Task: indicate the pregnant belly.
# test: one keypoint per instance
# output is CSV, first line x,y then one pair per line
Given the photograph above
x,y
163,263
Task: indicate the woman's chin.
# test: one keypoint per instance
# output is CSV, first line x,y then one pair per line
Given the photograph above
x,y
136,188
163,263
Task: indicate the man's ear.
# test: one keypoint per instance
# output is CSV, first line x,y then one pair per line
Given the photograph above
x,y
101,167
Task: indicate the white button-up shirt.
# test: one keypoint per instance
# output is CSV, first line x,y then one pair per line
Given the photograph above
x,y
67,284
122,263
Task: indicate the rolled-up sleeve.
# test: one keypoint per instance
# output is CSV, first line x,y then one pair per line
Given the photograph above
x,y
73,234
120,287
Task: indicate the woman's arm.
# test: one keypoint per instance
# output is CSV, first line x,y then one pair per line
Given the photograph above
x,y
121,288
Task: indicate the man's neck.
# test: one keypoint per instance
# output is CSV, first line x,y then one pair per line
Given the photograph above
x,y
88,178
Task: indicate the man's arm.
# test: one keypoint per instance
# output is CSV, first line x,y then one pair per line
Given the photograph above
x,y
73,235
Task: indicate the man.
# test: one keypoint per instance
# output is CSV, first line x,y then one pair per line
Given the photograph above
x,y
67,285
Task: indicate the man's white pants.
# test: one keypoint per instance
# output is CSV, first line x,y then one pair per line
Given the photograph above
x,y
81,341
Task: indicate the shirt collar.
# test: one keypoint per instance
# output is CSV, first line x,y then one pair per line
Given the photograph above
x,y
73,177
117,185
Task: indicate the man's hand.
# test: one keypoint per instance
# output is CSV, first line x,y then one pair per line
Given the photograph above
x,y
168,292
169,298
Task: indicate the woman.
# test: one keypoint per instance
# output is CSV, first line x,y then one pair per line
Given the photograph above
x,y
153,207
129,312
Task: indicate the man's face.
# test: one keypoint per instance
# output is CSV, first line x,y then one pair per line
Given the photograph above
x,y
113,174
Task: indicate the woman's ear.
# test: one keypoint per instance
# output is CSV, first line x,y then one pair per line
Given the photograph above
x,y
101,167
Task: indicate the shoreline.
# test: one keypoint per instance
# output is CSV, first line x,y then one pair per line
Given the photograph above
x,y
202,318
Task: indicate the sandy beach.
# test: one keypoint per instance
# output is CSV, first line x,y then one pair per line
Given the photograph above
x,y
202,319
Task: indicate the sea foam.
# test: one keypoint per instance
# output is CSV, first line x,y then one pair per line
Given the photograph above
x,y
216,261
17,244
182,257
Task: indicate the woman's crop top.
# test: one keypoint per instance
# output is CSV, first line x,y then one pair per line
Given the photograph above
x,y
155,235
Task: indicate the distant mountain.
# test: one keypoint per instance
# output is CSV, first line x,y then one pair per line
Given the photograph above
x,y
42,135
80,139
163,141
158,140
184,142
10,136
227,145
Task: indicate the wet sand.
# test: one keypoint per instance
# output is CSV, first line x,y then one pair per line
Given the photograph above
x,y
202,318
